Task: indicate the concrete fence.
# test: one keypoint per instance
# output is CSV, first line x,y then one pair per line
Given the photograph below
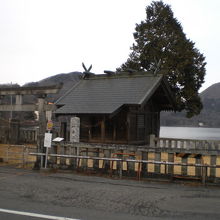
x,y
136,161
186,145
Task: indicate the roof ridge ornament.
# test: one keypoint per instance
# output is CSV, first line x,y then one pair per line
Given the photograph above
x,y
86,70
86,73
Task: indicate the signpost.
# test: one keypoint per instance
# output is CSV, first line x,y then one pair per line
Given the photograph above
x,y
49,125
47,144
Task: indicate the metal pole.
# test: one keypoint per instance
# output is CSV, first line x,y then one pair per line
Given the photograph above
x,y
11,104
46,158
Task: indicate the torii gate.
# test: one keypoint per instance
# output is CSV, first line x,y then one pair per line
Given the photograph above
x,y
41,106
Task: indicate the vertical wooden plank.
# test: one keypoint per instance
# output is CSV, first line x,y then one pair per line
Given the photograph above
x,y
206,160
191,171
164,158
150,167
90,162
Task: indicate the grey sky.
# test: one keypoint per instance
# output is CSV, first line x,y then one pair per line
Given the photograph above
x,y
41,38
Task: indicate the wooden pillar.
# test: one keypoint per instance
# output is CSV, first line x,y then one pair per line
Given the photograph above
x,y
128,128
42,128
114,131
103,129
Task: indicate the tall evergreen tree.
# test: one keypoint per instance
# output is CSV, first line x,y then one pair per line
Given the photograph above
x,y
160,41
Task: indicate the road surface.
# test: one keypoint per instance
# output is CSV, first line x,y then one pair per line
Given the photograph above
x,y
49,195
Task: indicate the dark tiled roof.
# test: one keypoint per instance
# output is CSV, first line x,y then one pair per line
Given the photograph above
x,y
102,94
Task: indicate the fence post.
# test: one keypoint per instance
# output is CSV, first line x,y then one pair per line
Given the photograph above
x,y
107,164
96,162
144,165
152,140
184,168
7,154
213,169
198,169
23,155
170,167
120,169
204,174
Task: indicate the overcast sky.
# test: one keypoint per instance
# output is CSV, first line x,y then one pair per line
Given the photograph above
x,y
41,38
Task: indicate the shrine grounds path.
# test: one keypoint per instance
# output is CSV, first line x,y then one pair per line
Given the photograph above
x,y
78,196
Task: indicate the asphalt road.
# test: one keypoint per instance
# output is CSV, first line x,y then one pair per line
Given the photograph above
x,y
57,195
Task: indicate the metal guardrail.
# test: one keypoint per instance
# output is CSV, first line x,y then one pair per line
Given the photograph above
x,y
166,163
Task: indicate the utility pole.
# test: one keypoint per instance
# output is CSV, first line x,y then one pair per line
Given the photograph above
x,y
42,128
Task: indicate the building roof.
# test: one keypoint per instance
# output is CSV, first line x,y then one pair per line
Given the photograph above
x,y
105,94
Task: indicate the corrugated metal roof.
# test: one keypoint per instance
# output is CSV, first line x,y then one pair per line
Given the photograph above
x,y
105,94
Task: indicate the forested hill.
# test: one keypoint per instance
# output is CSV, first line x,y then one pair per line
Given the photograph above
x,y
68,80
209,117
212,92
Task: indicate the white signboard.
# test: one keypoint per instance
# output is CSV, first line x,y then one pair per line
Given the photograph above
x,y
58,139
47,139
